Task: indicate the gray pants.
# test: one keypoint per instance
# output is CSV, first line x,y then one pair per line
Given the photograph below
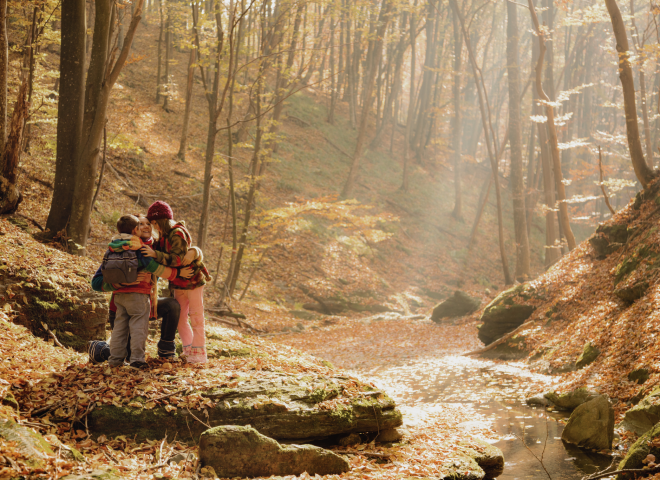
x,y
132,318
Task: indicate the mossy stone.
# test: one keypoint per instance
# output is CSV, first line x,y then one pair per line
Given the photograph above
x,y
644,446
28,443
639,375
643,416
458,305
630,293
503,314
570,400
589,353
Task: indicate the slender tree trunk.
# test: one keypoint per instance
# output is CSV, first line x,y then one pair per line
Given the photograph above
x,y
411,105
552,136
642,171
69,112
4,59
457,213
189,95
159,76
488,134
10,196
384,18
168,56
515,141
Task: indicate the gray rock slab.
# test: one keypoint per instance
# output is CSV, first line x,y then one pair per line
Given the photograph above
x,y
237,451
457,305
570,400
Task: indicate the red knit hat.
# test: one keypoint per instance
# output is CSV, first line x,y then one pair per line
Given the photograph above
x,y
159,210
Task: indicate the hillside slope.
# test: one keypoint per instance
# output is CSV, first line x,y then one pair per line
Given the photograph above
x,y
604,294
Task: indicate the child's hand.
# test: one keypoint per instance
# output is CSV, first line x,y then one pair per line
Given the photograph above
x,y
186,272
190,256
147,251
144,277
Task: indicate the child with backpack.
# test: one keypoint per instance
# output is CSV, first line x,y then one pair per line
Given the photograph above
x,y
173,243
127,273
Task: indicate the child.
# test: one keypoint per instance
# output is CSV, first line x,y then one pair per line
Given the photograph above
x,y
166,308
173,244
131,300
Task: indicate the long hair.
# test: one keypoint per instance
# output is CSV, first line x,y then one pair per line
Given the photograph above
x,y
166,226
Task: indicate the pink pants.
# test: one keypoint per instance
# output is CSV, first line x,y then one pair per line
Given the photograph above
x,y
192,334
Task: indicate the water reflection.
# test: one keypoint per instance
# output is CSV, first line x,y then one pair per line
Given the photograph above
x,y
494,392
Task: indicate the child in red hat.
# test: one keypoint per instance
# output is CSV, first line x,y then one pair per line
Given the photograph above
x,y
173,243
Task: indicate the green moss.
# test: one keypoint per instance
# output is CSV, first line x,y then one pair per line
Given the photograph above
x,y
632,261
589,353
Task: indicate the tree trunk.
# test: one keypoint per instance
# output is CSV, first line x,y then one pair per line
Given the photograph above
x,y
384,18
642,171
411,106
515,141
10,196
488,134
552,136
159,61
4,59
97,96
168,56
189,94
69,112
457,213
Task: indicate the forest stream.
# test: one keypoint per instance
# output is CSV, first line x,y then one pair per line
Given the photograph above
x,y
488,395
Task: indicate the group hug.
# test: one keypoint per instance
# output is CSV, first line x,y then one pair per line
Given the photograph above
x,y
147,247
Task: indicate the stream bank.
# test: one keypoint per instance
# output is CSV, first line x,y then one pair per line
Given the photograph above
x,y
453,398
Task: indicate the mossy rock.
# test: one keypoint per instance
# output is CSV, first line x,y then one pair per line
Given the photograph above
x,y
28,443
462,466
644,446
639,375
609,238
570,400
278,406
503,314
630,293
630,263
589,354
643,416
615,233
487,456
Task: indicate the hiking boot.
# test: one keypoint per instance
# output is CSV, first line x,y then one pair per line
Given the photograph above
x,y
98,351
139,365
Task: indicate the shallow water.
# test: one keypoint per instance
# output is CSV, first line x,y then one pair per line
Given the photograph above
x,y
493,392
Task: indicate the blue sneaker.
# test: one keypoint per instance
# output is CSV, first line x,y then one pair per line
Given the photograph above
x,y
98,351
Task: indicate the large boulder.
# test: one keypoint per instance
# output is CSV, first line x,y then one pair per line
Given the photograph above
x,y
649,443
30,445
589,353
236,451
591,425
505,313
459,304
277,405
570,400
643,416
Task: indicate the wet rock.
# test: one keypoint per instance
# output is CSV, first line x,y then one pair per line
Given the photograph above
x,y
236,451
639,376
392,435
280,406
570,400
539,400
591,425
630,293
457,305
487,456
645,445
589,353
461,467
30,444
505,313
95,475
643,416
348,440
